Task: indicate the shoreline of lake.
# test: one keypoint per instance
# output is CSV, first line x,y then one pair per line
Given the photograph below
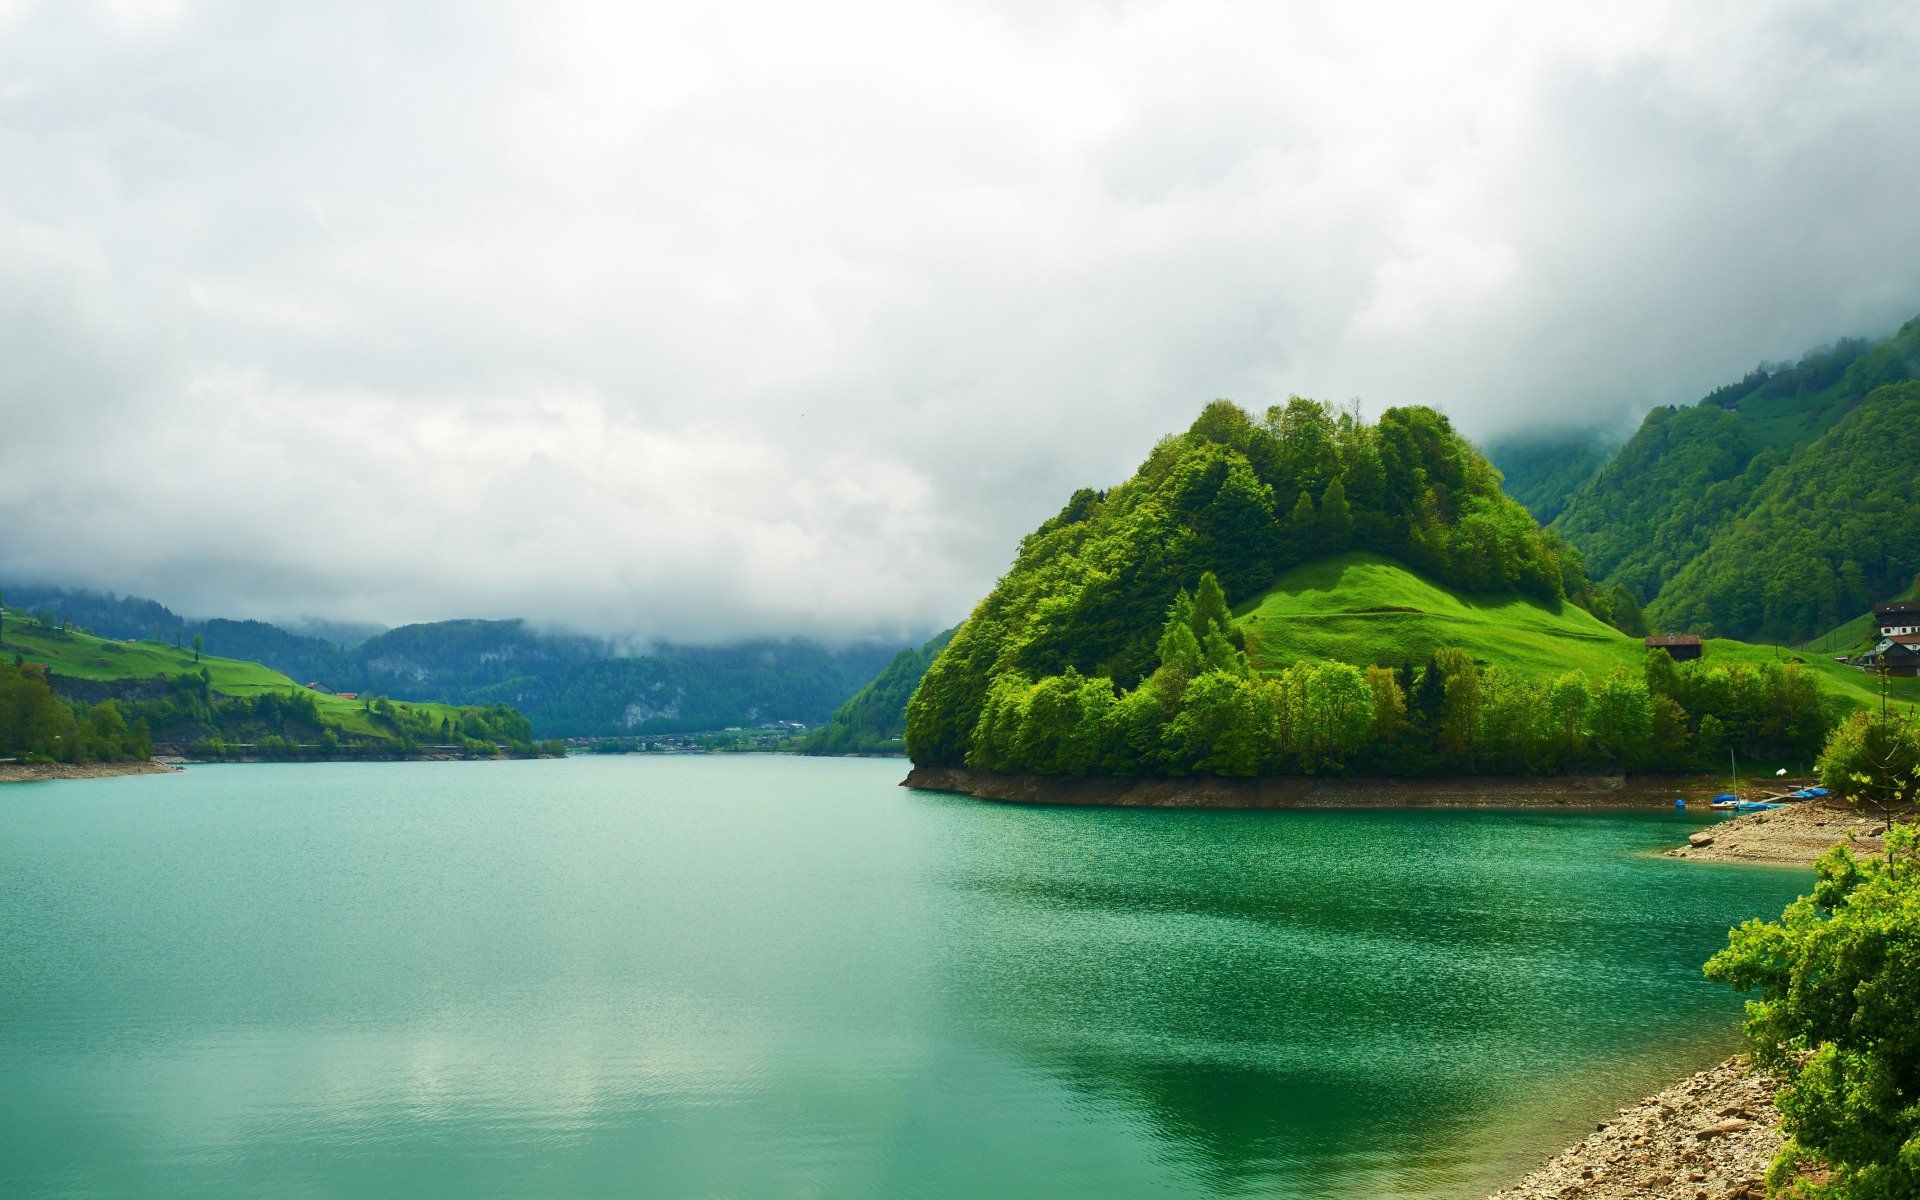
x,y
18,772
1713,1133
1281,792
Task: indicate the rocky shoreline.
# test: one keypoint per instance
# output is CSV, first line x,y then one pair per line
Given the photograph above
x,y
41,772
1708,1137
1792,836
1203,791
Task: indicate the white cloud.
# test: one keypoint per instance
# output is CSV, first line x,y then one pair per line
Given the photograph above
x,y
697,321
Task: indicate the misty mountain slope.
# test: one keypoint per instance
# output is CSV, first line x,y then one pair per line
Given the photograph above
x,y
1543,472
874,719
1826,535
577,686
566,685
303,656
1688,474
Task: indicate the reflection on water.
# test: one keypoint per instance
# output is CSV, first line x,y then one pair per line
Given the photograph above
x,y
776,977
1317,1003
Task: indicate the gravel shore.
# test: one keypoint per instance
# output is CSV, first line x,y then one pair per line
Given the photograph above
x,y
1794,835
41,772
1710,1137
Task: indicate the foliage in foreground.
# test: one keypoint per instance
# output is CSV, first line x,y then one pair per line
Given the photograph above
x,y
1839,983
1873,760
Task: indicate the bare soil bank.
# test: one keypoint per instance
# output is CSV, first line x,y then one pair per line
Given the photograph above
x,y
1478,791
1790,836
39,772
1712,1135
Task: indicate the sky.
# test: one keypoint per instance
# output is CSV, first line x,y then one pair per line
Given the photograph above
x,y
706,321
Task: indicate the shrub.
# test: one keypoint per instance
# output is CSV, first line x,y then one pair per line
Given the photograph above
x,y
1839,983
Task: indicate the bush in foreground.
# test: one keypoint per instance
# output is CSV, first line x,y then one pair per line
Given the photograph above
x,y
1839,983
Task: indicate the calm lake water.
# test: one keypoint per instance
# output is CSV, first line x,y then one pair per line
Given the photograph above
x,y
777,977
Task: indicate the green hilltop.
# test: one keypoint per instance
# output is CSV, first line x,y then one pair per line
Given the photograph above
x,y
1393,611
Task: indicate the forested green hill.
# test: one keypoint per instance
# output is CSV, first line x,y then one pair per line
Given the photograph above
x,y
1691,484
874,719
1246,501
1828,534
1412,620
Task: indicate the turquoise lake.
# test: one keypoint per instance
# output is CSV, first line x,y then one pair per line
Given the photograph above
x,y
780,977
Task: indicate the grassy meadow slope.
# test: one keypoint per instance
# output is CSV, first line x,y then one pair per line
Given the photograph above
x,y
1363,609
78,655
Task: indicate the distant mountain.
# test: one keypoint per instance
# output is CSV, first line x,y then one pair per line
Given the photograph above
x,y
1691,516
874,721
1543,471
566,685
576,686
209,706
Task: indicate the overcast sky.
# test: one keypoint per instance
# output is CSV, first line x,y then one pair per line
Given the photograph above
x,y
707,320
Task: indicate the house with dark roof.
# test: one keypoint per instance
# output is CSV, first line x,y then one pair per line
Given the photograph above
x,y
1896,655
1897,618
1680,646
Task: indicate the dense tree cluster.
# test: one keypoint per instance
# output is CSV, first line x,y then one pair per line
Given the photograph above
x,y
1873,760
1204,709
1825,537
1778,507
1246,500
35,723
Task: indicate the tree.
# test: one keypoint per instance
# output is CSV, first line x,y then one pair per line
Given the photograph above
x,y
1621,718
1838,978
198,642
1460,703
1624,612
1873,760
1389,703
1567,702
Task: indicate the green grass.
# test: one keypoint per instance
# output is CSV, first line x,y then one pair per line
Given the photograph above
x,y
83,656
1364,609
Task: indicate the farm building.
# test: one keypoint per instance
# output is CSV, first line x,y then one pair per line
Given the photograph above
x,y
1681,646
1898,618
1896,655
